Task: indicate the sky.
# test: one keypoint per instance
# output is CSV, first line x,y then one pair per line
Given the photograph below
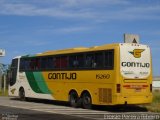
x,y
35,26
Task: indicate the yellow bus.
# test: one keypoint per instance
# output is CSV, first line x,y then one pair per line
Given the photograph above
x,y
112,74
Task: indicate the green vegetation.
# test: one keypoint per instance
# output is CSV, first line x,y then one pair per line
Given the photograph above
x,y
155,105
4,94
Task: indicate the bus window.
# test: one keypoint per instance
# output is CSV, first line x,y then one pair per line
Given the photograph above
x,y
57,63
22,64
73,63
50,63
44,63
64,62
32,64
109,59
90,61
13,72
80,61
37,63
99,60
27,62
76,61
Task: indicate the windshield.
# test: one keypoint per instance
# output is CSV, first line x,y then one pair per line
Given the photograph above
x,y
135,61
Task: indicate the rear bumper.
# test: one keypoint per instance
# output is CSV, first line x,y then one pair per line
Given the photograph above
x,y
127,99
133,99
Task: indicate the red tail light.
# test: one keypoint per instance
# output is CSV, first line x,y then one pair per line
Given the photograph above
x,y
118,88
150,87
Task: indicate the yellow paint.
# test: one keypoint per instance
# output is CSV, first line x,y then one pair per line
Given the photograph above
x,y
137,53
79,49
86,80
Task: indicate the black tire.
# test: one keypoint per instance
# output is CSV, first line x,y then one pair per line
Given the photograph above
x,y
86,101
22,94
73,99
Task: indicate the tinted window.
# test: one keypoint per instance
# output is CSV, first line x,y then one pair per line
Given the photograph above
x,y
32,64
76,61
13,72
80,59
50,63
109,59
73,63
99,60
22,64
90,60
37,63
57,62
44,61
64,62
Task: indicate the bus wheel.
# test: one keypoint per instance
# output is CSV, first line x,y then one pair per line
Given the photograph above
x,y
73,99
22,94
86,101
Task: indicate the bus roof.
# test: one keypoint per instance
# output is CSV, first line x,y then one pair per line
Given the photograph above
x,y
78,49
75,50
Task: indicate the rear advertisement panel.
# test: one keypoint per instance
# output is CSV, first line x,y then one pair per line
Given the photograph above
x,y
135,61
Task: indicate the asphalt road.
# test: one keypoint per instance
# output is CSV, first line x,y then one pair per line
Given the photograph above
x,y
14,109
10,113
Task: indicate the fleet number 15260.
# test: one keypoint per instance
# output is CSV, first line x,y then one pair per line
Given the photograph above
x,y
102,76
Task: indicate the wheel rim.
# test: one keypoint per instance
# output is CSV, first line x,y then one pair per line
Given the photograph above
x,y
73,99
87,100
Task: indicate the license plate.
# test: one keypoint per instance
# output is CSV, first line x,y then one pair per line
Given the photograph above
x,y
137,90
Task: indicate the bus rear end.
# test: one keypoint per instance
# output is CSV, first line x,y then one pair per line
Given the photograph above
x,y
135,83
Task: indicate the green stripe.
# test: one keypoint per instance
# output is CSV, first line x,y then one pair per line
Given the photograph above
x,y
41,82
32,82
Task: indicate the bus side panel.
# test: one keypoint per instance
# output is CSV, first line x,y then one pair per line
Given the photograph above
x,y
32,86
95,82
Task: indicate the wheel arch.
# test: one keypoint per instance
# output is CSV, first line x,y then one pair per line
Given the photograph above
x,y
20,88
72,90
85,91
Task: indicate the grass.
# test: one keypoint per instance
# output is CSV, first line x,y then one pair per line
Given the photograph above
x,y
4,94
155,105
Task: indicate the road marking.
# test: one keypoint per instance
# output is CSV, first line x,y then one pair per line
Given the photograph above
x,y
57,109
75,112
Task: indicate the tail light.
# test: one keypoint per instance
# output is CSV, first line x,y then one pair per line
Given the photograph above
x,y
118,88
150,87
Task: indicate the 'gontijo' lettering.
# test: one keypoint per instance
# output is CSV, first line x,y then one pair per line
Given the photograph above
x,y
135,64
62,76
